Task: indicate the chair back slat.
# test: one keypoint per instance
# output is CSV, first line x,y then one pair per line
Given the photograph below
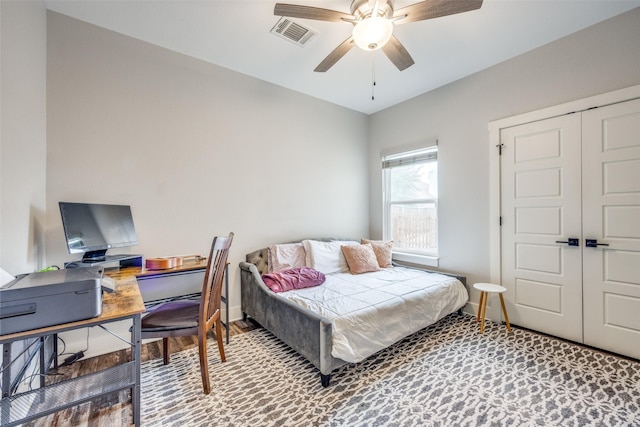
x,y
214,278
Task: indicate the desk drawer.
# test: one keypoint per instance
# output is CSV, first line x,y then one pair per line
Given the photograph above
x,y
165,286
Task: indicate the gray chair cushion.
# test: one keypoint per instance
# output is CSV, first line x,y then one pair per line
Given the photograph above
x,y
173,315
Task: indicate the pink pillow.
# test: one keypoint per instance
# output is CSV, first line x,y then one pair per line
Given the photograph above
x,y
293,278
383,251
360,258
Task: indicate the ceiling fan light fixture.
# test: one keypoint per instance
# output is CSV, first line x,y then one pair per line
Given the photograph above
x,y
372,33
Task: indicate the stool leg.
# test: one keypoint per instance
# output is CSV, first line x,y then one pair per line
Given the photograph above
x,y
482,295
504,310
483,309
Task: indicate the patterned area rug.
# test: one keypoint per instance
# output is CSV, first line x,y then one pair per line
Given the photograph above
x,y
445,375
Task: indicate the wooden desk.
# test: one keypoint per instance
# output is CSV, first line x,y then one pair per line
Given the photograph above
x,y
124,303
125,273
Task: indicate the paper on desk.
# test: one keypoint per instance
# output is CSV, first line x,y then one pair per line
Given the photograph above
x,y
5,277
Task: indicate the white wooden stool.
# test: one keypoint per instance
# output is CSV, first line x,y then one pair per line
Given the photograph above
x,y
484,289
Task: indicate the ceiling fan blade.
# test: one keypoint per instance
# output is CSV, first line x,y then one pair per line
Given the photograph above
x,y
335,56
397,54
309,12
429,9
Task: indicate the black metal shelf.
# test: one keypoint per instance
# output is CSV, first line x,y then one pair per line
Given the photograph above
x,y
30,405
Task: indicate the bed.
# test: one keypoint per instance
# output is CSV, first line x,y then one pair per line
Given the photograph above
x,y
349,316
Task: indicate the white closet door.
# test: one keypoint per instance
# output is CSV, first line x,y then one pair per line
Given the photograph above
x,y
541,202
611,216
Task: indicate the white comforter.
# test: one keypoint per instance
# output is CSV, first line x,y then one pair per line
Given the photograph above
x,y
371,311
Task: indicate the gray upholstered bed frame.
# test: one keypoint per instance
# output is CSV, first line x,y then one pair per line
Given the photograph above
x,y
303,330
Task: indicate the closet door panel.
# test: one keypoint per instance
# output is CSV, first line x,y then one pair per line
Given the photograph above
x,y
611,217
540,185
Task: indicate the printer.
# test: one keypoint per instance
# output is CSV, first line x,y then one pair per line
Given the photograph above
x,y
38,300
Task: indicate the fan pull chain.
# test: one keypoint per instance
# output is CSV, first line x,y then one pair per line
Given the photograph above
x,y
373,77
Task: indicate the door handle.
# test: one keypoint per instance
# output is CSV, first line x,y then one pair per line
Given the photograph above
x,y
593,243
570,242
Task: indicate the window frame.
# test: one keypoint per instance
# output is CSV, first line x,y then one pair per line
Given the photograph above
x,y
422,153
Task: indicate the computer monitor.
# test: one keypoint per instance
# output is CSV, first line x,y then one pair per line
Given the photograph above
x,y
92,229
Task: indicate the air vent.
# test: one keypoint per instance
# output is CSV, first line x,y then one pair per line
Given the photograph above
x,y
293,31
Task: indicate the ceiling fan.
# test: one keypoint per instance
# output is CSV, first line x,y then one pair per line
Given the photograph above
x,y
373,22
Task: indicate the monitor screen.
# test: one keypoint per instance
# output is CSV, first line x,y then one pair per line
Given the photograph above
x,y
92,228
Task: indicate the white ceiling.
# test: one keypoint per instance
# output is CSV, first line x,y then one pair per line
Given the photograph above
x,y
236,34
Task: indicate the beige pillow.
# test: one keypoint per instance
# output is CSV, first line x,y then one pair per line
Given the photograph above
x,y
382,250
360,258
286,256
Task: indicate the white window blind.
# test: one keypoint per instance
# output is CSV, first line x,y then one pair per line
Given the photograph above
x,y
411,200
410,158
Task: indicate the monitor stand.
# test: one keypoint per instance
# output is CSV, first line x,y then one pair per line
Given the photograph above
x,y
107,261
94,256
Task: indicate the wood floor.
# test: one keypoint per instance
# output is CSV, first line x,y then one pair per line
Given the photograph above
x,y
115,409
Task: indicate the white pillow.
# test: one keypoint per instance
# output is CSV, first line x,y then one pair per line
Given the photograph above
x,y
327,257
286,256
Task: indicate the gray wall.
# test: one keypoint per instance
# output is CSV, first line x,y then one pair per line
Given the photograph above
x,y
195,149
22,135
22,146
599,59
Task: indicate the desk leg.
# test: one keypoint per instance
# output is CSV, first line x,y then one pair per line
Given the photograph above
x,y
6,384
226,296
55,351
43,367
136,342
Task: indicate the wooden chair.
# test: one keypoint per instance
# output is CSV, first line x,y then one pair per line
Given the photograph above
x,y
194,318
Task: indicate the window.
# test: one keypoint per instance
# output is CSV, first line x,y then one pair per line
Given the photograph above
x,y
411,201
